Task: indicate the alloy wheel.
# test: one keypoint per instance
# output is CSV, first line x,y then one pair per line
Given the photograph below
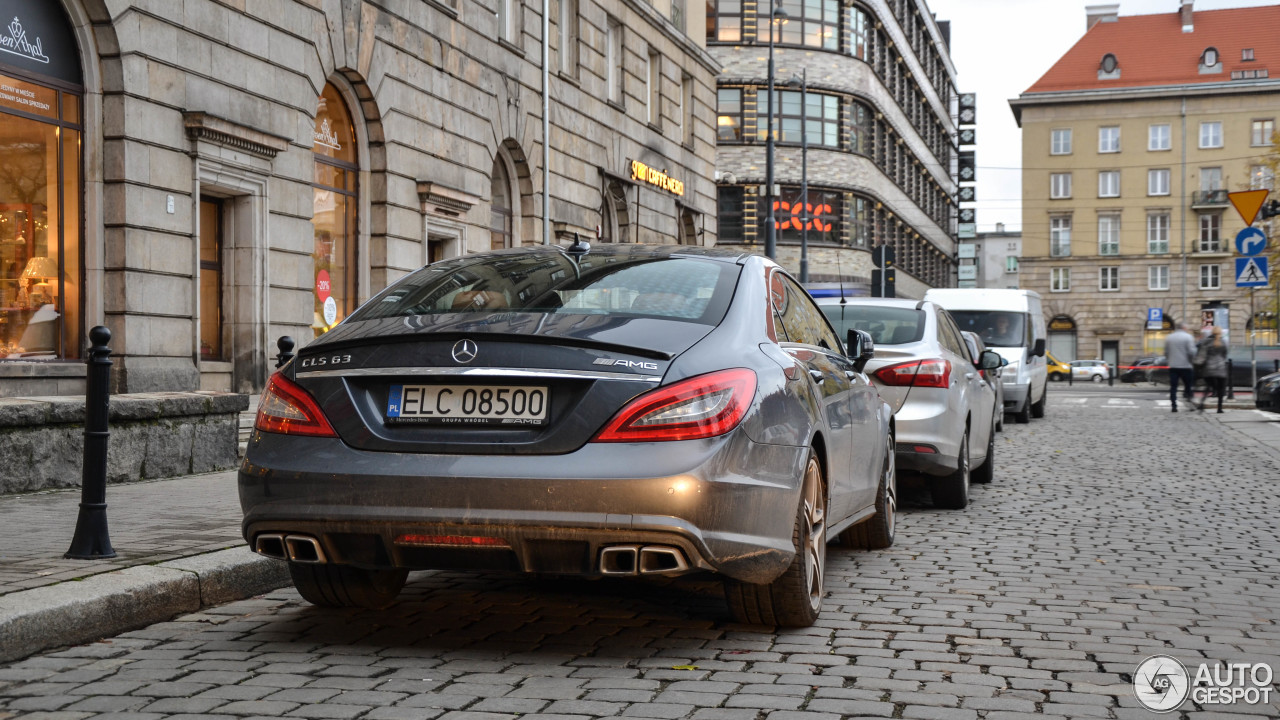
x,y
815,532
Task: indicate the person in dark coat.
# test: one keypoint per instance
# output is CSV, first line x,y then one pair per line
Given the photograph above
x,y
1211,364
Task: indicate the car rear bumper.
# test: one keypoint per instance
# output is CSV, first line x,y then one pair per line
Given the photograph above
x,y
726,504
927,420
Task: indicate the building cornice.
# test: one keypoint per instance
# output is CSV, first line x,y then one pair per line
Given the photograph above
x,y
1155,92
221,131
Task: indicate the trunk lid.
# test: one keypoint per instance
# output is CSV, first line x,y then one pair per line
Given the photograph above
x,y
588,366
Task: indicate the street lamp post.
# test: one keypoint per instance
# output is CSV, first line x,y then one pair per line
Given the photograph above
x,y
779,16
804,174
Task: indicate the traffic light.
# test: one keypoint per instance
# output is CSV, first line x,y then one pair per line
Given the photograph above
x,y
883,256
883,286
1270,209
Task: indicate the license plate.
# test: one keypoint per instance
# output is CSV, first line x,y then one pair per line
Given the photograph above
x,y
468,404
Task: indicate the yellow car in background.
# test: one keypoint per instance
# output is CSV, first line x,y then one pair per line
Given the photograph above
x,y
1058,370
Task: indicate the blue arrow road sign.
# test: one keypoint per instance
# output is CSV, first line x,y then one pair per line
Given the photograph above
x,y
1251,241
1251,272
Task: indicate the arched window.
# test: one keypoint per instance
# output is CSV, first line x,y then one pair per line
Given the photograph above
x,y
334,214
41,270
1062,337
500,213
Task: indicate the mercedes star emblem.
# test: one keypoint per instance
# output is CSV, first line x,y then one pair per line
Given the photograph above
x,y
464,351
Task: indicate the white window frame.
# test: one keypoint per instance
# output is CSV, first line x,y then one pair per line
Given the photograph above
x,y
1158,225
1109,234
1059,186
1059,279
1108,183
1011,264
1156,133
1060,236
1210,277
1211,134
1261,178
1109,278
1158,277
1260,132
1158,181
1209,237
1109,142
1213,176
1060,141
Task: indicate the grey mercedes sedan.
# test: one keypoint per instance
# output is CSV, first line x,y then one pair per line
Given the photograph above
x,y
615,411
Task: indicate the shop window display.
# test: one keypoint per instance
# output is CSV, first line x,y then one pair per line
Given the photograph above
x,y
334,213
40,253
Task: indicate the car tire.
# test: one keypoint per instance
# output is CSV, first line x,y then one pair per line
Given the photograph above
x,y
952,492
1023,416
1037,408
986,472
877,532
794,599
999,420
1098,378
345,586
1056,377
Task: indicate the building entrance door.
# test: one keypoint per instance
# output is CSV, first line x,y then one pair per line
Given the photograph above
x,y
1111,353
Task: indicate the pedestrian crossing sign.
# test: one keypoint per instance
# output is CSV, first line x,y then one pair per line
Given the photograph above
x,y
1251,272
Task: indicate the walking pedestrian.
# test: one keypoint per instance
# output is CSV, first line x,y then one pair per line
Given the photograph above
x,y
1180,353
1211,355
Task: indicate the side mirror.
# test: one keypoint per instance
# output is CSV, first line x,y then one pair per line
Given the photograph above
x,y
1038,350
990,360
861,348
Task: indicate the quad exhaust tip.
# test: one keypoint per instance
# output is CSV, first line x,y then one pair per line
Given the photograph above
x,y
642,560
295,548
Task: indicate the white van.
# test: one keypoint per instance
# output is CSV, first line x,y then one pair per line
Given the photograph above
x,y
1011,323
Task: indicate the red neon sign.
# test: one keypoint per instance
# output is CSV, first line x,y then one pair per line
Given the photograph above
x,y
798,211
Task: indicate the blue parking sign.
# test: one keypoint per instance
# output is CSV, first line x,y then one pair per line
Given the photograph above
x,y
1155,318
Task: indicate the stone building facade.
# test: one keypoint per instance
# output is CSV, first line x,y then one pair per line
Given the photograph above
x,y
876,106
204,177
1130,144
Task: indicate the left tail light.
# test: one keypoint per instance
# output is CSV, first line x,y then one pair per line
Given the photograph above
x,y
287,409
698,407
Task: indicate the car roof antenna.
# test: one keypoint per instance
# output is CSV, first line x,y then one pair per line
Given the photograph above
x,y
579,247
840,275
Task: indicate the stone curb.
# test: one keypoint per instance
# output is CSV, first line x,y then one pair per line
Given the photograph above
x,y
80,611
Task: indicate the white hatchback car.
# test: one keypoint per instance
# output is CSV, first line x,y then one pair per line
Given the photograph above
x,y
942,406
1095,370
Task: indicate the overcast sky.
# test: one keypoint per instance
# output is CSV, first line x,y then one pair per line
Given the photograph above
x,y
1000,48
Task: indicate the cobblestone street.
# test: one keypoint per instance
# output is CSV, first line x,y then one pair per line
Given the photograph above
x,y
1111,532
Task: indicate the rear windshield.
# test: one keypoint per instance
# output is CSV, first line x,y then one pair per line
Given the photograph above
x,y
686,289
995,327
886,325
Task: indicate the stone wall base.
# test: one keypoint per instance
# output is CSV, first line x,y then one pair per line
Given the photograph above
x,y
153,435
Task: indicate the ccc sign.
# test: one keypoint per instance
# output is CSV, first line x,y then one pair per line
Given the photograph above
x,y
791,215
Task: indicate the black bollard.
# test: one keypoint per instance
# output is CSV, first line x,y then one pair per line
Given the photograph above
x,y
91,541
285,343
1231,382
1111,374
1071,374
1276,365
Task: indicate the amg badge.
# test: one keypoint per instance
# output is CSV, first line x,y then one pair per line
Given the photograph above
x,y
626,363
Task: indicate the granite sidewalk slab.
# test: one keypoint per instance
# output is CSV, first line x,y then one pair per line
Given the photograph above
x,y
178,549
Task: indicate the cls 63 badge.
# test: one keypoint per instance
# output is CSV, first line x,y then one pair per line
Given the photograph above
x,y
323,360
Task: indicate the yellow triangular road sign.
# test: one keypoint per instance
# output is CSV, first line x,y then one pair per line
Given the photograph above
x,y
1247,203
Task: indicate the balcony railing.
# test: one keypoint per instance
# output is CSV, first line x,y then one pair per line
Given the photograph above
x,y
1209,198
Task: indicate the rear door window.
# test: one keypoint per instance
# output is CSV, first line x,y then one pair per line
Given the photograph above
x,y
801,320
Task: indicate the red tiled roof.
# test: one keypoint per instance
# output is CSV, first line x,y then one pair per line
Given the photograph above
x,y
1152,49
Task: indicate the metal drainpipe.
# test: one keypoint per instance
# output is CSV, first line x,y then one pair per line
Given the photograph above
x,y
546,123
1182,206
